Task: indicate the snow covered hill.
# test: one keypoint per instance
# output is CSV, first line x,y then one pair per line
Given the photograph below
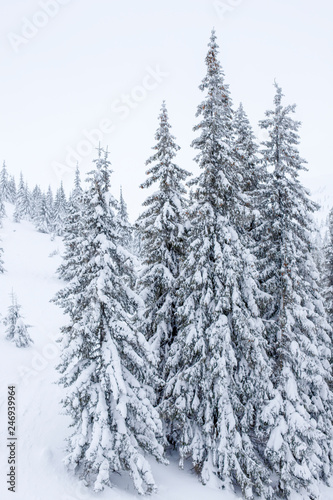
x,y
31,259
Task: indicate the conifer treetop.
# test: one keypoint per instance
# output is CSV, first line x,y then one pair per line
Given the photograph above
x,y
164,169
122,206
220,177
283,138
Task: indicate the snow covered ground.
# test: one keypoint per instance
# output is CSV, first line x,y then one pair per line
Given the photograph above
x,y
31,259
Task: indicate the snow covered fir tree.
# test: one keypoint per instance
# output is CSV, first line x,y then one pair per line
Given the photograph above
x,y
252,171
104,359
17,330
328,270
77,191
199,330
218,370
22,201
59,209
127,229
299,418
7,186
162,233
2,269
2,209
2,214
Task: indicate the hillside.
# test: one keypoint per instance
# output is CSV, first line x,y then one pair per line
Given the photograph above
x,y
31,259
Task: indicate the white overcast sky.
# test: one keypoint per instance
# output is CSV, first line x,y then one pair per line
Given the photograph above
x,y
72,72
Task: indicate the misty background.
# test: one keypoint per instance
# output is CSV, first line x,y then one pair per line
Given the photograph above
x,y
76,72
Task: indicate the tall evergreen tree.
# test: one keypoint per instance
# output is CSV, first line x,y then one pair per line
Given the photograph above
x,y
162,233
2,210
72,236
127,229
123,212
73,231
44,219
49,198
298,418
27,201
218,373
130,260
4,184
251,171
328,270
2,269
22,203
246,149
36,195
60,210
104,361
50,210
41,217
2,214
11,189
77,191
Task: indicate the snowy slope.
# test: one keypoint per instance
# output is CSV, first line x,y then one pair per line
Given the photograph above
x,y
41,429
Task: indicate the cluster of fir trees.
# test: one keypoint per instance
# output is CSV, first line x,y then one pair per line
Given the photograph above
x,y
220,345
327,270
105,360
2,214
7,193
45,210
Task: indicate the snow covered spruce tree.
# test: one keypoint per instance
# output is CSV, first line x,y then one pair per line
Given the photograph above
x,y
12,189
36,195
2,214
104,360
299,417
17,330
122,210
251,171
126,226
218,373
2,210
5,191
59,210
130,261
2,269
72,235
77,191
328,270
246,149
162,242
49,200
22,201
44,216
